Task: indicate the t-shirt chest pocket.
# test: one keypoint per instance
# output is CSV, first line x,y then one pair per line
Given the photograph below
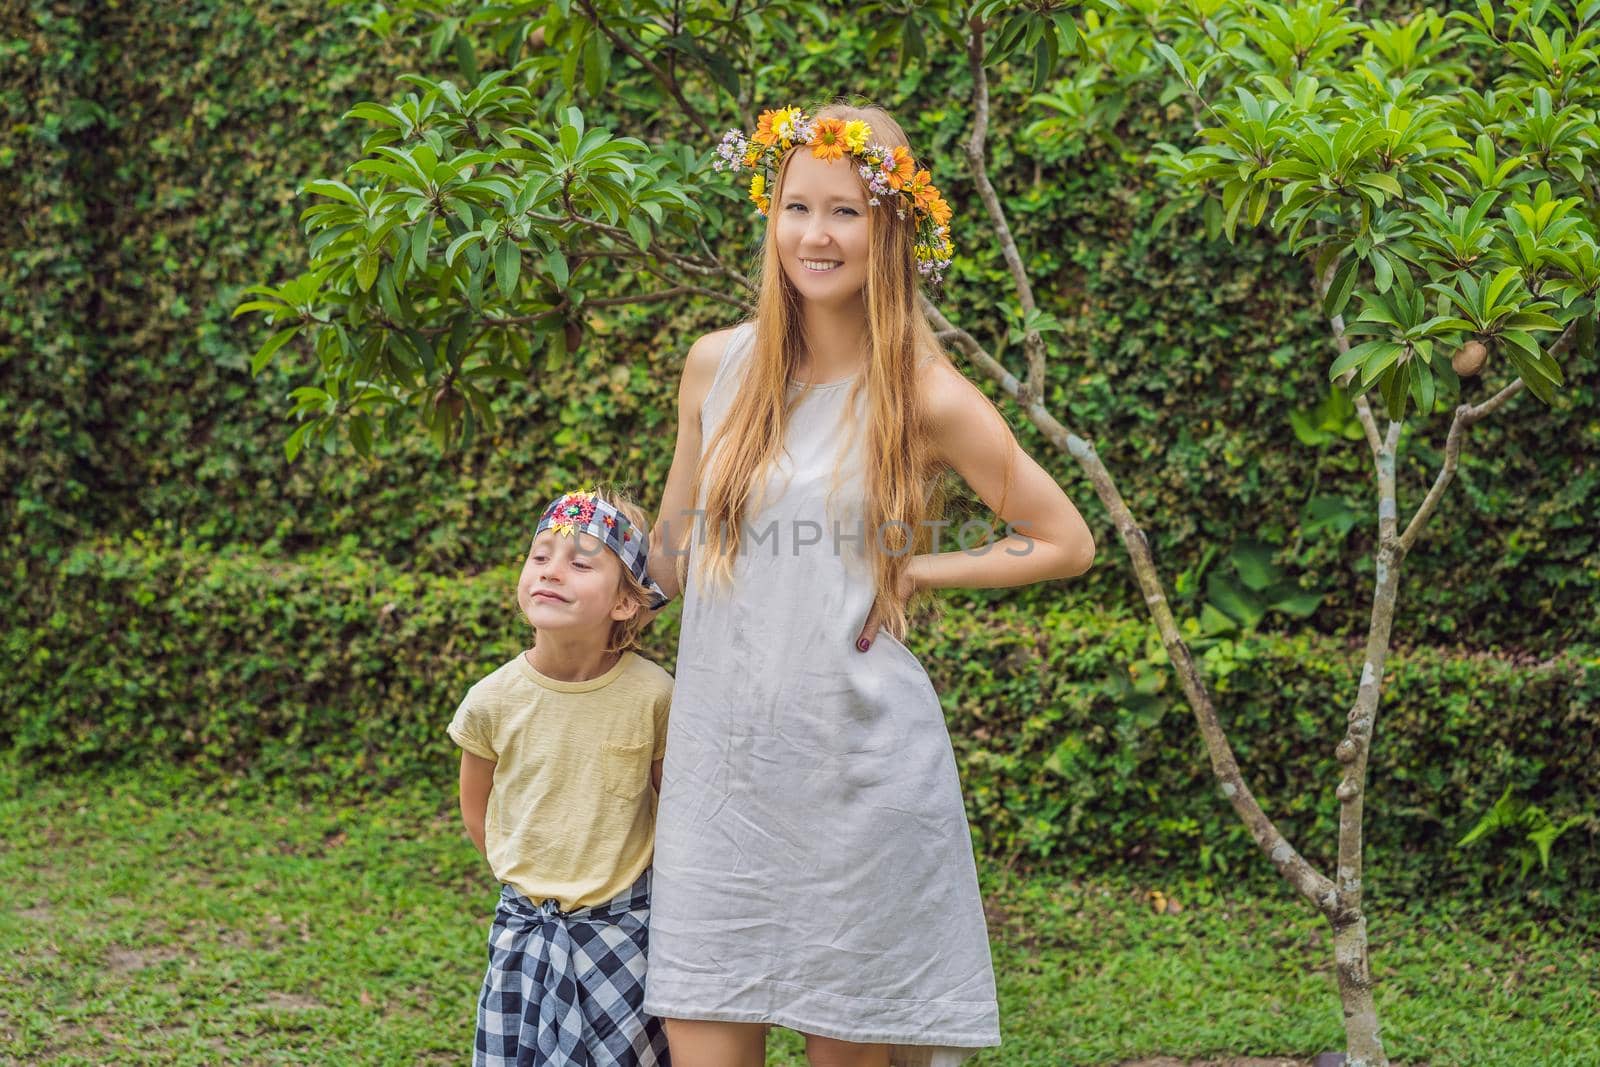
x,y
625,768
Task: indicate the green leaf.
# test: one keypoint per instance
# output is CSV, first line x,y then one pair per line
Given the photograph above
x,y
1043,61
420,236
594,67
1166,53
1213,621
334,189
1255,566
1235,602
1498,286
556,265
1382,272
1530,320
361,434
1339,292
1380,363
1422,387
1301,606
1357,355
367,270
723,72
264,355
1329,513
465,60
259,305
1393,388
1304,432
640,230
1382,181
460,334
1536,382
296,441
507,265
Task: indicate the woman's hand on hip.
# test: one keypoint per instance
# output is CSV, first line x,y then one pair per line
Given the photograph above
x,y
907,586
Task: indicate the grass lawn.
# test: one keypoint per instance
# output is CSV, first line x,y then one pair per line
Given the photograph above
x,y
144,923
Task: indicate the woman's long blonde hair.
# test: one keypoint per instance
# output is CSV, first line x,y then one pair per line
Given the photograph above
x,y
904,483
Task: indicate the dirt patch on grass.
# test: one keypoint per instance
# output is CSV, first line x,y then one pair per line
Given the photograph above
x,y
292,1002
1237,1061
1246,1061
123,960
39,913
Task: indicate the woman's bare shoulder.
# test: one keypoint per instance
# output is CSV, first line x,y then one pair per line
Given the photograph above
x,y
942,387
700,368
706,353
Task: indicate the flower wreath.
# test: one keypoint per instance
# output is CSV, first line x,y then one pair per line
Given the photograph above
x,y
890,173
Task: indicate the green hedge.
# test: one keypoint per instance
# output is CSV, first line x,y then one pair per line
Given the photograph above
x,y
152,151
339,673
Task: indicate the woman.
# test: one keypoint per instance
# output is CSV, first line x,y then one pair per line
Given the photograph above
x,y
813,865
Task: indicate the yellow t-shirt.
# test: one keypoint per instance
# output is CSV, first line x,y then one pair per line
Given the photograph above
x,y
572,813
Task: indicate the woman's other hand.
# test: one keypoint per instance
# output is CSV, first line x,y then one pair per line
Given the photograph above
x,y
909,583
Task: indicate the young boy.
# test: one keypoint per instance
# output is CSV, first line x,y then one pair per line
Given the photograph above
x,y
561,763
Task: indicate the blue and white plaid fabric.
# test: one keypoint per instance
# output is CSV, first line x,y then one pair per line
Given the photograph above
x,y
566,989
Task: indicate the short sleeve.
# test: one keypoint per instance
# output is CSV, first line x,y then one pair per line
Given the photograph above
x,y
471,728
662,710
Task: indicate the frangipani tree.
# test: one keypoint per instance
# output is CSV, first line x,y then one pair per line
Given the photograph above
x,y
1436,175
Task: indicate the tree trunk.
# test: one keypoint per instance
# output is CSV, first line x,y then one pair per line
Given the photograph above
x,y
1363,1046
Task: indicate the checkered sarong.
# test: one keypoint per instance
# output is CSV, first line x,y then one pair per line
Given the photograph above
x,y
566,989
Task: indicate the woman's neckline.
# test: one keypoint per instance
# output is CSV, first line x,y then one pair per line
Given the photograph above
x,y
846,380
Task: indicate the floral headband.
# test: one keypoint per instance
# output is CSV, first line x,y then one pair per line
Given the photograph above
x,y
581,511
890,173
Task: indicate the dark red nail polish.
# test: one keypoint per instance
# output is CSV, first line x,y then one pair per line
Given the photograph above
x,y
863,644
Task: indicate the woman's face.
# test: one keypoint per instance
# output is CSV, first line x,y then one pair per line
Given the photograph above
x,y
821,222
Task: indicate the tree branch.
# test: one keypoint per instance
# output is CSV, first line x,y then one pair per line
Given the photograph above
x,y
1352,752
1465,416
1369,424
712,268
668,82
662,294
1032,343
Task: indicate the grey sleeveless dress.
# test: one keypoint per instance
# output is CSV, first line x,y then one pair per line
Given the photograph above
x,y
813,866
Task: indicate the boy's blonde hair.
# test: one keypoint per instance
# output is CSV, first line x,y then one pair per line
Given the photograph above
x,y
625,632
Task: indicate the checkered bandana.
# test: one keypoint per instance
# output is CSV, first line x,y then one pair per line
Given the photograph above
x,y
566,989
582,512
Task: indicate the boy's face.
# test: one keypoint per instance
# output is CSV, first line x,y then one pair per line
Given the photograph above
x,y
572,583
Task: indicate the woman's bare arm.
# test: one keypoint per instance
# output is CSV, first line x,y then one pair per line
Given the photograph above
x,y
1050,541
670,534
1050,538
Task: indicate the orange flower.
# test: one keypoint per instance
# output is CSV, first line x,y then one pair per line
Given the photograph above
x,y
829,141
899,166
920,189
765,131
938,209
